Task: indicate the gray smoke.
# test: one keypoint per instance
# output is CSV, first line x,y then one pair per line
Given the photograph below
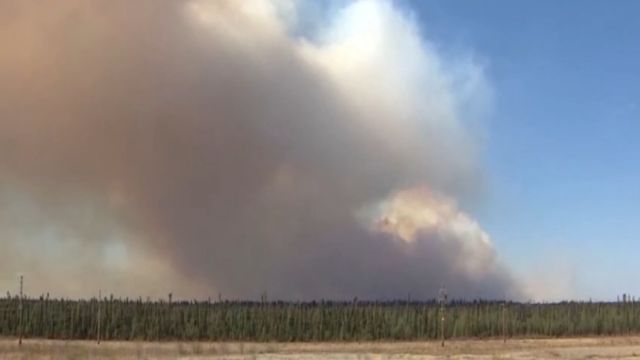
x,y
199,147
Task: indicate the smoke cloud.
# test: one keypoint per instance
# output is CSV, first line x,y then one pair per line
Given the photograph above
x,y
210,146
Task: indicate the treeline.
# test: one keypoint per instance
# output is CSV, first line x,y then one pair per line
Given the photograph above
x,y
124,319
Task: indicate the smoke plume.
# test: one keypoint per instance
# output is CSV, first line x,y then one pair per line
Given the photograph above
x,y
210,146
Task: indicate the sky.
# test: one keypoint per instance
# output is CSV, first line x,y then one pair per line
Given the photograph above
x,y
320,149
561,149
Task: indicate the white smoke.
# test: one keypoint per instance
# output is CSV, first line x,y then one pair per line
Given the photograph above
x,y
200,147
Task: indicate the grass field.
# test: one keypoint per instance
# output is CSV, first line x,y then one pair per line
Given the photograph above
x,y
574,348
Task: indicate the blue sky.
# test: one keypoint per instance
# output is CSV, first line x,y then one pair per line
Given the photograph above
x,y
562,153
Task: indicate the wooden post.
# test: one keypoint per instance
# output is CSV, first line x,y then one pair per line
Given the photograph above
x,y
504,321
99,313
20,313
443,301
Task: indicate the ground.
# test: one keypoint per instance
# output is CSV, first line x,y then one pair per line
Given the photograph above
x,y
580,348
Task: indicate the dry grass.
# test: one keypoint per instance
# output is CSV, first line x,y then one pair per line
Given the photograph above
x,y
582,348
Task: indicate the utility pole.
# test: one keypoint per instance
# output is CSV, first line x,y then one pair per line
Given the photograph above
x,y
99,314
20,313
443,300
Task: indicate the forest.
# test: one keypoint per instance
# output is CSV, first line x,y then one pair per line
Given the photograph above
x,y
110,318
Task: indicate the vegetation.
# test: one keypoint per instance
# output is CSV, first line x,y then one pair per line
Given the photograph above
x,y
125,319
